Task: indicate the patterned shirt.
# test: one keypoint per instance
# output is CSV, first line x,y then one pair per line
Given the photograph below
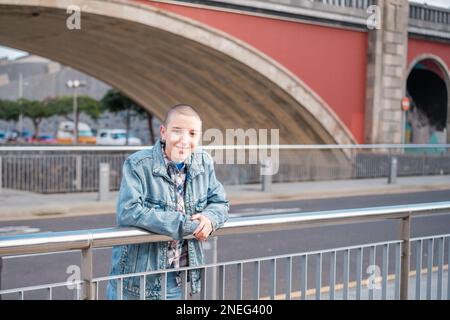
x,y
177,253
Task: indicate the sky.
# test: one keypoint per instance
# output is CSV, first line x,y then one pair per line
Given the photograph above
x,y
439,3
13,54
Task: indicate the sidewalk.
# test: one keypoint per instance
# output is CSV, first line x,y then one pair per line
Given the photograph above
x,y
18,205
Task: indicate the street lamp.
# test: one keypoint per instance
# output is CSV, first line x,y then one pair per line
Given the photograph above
x,y
75,84
21,84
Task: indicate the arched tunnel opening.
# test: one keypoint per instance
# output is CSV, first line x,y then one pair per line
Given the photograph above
x,y
426,121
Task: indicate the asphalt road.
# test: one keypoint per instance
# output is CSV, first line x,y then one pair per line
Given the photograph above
x,y
34,270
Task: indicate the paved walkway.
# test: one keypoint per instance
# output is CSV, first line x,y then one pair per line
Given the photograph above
x,y
16,205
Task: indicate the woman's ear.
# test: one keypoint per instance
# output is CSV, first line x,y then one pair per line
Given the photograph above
x,y
162,132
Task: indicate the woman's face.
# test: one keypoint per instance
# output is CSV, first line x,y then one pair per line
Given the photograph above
x,y
182,135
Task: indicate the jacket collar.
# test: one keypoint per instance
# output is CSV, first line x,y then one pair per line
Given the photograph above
x,y
194,164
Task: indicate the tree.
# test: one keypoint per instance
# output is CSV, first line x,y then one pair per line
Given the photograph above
x,y
36,111
9,110
63,106
114,101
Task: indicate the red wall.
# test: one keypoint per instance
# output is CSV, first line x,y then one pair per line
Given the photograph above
x,y
417,47
331,61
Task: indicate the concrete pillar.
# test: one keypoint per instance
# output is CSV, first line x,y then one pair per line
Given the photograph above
x,y
386,73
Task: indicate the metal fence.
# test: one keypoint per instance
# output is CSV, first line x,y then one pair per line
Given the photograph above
x,y
434,15
76,169
393,280
354,4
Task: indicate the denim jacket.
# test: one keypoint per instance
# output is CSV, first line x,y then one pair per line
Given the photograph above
x,y
147,200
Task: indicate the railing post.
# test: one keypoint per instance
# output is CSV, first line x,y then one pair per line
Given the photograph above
x,y
0,174
78,170
406,253
87,274
1,266
103,183
211,258
266,169
392,170
214,270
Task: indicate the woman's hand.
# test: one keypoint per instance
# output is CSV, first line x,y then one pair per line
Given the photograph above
x,y
203,229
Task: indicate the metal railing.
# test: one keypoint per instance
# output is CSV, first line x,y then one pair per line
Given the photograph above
x,y
317,4
429,21
354,12
354,4
430,14
87,287
77,169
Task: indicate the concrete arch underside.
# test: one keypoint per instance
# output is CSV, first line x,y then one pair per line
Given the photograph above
x,y
160,59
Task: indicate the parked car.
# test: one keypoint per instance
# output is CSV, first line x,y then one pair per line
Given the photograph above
x,y
116,137
13,136
2,137
45,138
66,133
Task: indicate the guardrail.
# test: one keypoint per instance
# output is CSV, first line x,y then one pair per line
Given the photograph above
x,y
77,169
430,14
436,20
429,21
88,240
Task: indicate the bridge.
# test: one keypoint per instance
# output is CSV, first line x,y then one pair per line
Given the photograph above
x,y
321,71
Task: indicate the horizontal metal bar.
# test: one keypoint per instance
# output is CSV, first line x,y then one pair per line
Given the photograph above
x,y
326,147
73,240
42,287
434,237
310,219
229,147
48,253
72,148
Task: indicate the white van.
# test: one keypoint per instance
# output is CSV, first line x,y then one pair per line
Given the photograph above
x,y
66,133
116,137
